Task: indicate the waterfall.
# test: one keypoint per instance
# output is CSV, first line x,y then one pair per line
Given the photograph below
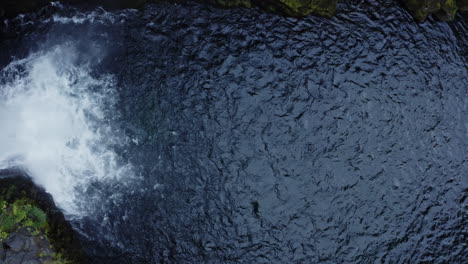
x,y
56,124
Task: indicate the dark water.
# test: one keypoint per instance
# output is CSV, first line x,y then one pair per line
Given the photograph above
x,y
263,139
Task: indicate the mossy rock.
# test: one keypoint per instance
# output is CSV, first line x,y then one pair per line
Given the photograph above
x,y
21,213
24,234
26,205
299,7
233,3
444,10
287,7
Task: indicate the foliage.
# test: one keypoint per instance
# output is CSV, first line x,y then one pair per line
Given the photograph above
x,y
42,254
24,214
305,7
21,214
58,259
443,9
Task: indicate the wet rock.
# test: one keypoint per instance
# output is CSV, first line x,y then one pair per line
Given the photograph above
x,y
462,5
22,247
16,242
444,10
10,8
32,261
286,7
300,7
233,3
25,241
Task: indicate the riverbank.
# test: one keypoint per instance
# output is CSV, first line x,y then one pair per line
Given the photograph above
x,y
444,10
32,228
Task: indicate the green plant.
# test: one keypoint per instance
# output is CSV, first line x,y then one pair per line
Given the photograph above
x,y
38,217
20,214
3,205
3,235
42,254
58,259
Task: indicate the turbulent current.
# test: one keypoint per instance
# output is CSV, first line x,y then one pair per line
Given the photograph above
x,y
54,125
190,134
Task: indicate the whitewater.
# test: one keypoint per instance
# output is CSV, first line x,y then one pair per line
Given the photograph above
x,y
56,125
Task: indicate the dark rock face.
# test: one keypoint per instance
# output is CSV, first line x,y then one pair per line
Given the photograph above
x,y
11,8
286,7
15,185
444,10
24,247
462,5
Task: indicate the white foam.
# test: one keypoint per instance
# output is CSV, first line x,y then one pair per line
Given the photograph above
x,y
97,16
53,123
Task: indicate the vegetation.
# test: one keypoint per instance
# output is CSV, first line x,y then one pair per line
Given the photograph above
x,y
287,7
24,214
21,214
305,7
420,9
443,9
58,259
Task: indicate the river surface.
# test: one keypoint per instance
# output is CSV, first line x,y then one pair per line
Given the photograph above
x,y
189,134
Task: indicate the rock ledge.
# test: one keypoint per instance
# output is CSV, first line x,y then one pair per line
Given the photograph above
x,y
32,229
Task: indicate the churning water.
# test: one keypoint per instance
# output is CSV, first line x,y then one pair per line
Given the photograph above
x,y
54,124
190,134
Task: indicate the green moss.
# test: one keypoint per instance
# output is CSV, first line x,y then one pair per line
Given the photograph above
x,y
58,259
442,9
42,254
234,3
8,193
452,4
21,214
420,9
305,7
286,7
25,207
450,8
299,7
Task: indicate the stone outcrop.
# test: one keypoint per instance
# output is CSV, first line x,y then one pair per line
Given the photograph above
x,y
23,246
286,7
462,5
420,9
10,8
444,10
32,229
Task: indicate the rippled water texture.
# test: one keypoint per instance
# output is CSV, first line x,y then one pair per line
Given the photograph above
x,y
263,139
